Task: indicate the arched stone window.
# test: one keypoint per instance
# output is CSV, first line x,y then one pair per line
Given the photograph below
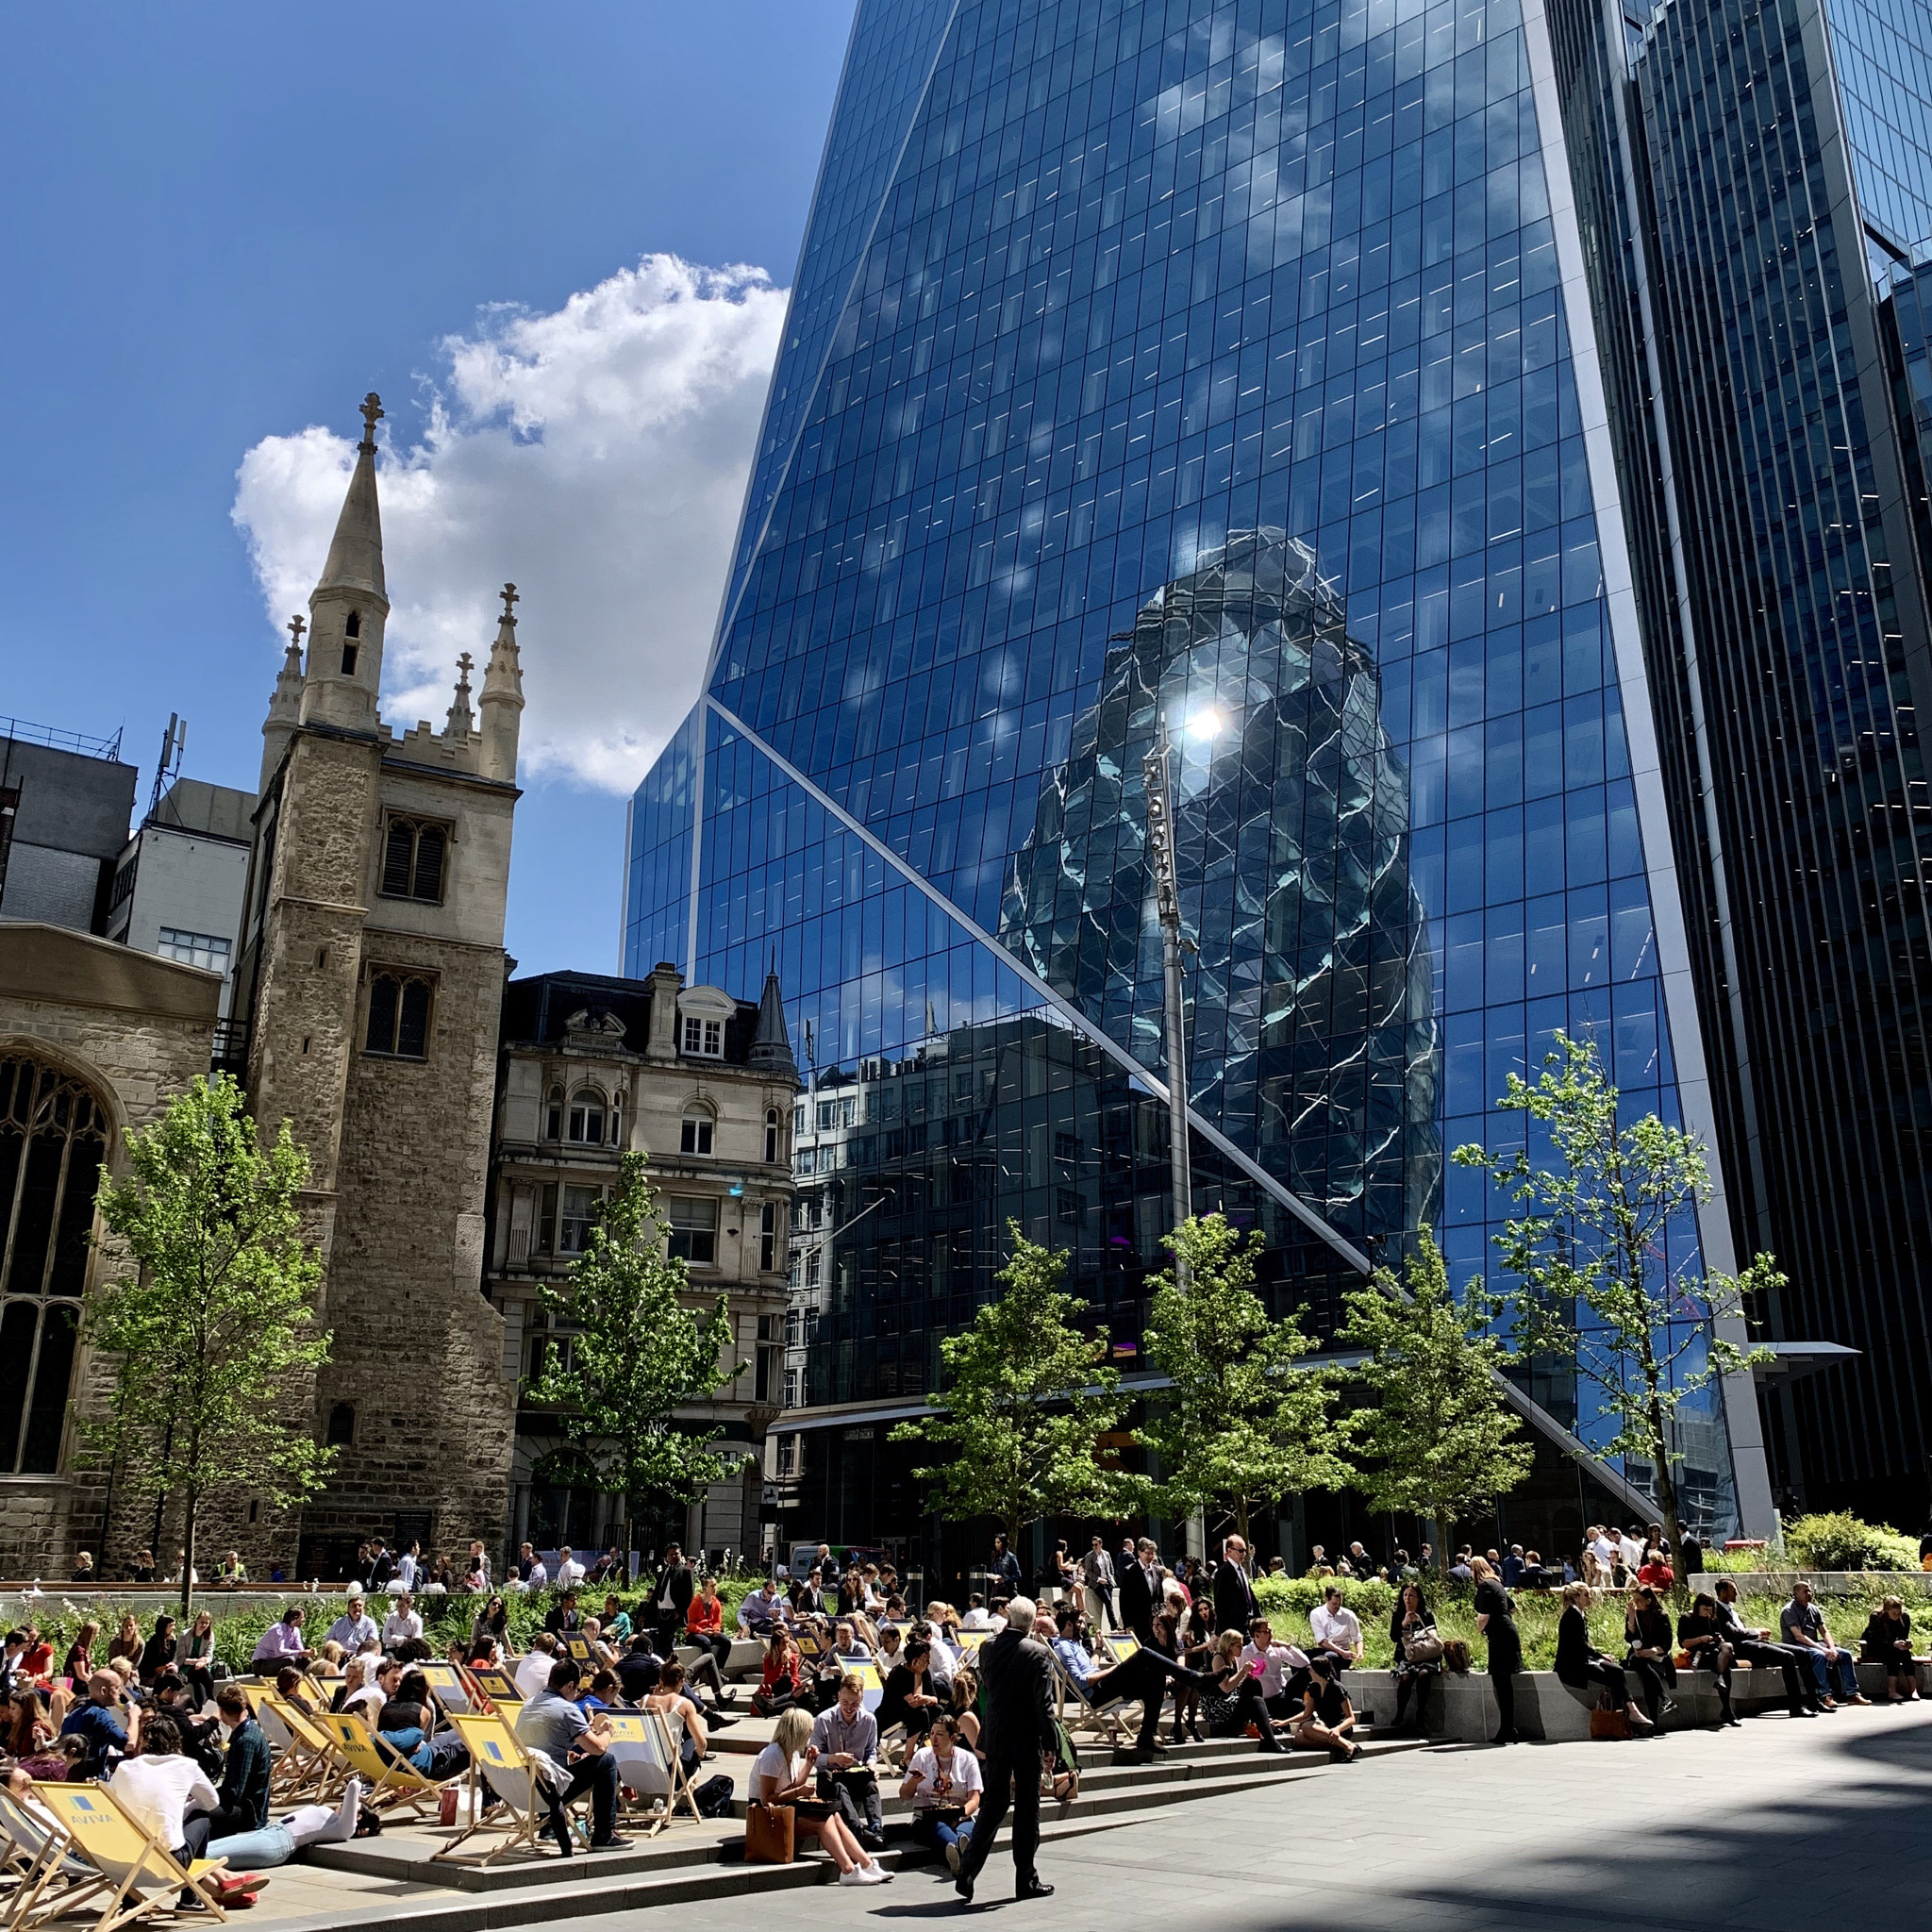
x,y
695,1135
771,1137
587,1117
52,1139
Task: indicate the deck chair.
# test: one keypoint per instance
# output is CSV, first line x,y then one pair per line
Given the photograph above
x,y
1079,1713
46,1879
394,1783
515,1808
498,1686
450,1686
305,1767
140,1880
648,1762
874,1684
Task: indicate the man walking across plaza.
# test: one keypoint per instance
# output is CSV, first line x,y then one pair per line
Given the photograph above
x,y
1096,1573
1015,1736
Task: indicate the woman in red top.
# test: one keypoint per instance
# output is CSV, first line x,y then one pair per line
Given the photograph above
x,y
704,1621
778,1688
1654,1572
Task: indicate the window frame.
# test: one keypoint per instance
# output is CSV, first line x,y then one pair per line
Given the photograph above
x,y
586,1102
697,1134
404,978
688,1234
416,825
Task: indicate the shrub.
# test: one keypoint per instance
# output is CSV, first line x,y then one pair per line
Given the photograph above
x,y
1367,1597
1840,1541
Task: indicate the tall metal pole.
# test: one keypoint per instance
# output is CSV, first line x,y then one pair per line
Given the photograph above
x,y
1158,793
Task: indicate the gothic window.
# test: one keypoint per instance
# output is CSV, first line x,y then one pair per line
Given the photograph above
x,y
704,1037
353,628
553,1115
412,856
587,1118
398,1016
52,1139
694,1228
696,1137
771,1137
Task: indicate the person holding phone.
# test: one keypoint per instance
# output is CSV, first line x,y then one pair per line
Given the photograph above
x,y
1235,1699
945,1783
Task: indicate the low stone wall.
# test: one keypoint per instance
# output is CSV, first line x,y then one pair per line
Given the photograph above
x,y
1860,1583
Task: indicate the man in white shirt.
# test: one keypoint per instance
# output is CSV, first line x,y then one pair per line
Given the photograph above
x,y
168,1795
353,1628
533,1673
401,1624
1338,1630
1284,1672
570,1573
407,1565
1631,1551
538,1577
977,1617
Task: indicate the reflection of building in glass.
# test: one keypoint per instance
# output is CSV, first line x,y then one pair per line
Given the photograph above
x,y
1093,307
1313,1032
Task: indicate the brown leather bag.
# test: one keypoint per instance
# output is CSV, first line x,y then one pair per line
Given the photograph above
x,y
1610,1723
770,1834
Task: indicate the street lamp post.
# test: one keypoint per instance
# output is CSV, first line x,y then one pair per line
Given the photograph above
x,y
1158,793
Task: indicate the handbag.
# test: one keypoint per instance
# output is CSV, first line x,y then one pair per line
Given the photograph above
x,y
1610,1724
1424,1647
768,1834
1455,1655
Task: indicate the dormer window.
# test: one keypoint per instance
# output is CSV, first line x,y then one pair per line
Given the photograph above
x,y
705,1037
412,859
696,1135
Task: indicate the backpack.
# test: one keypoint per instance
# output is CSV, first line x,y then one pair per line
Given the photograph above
x,y
714,1797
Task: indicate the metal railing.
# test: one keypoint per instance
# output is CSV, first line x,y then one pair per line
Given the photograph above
x,y
24,732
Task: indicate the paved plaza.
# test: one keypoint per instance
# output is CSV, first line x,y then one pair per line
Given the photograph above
x,y
1783,1823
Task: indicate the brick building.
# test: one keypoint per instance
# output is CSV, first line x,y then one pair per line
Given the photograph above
x,y
592,1068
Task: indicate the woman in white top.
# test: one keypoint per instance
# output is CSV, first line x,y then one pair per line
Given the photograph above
x,y
783,1774
685,1720
943,1782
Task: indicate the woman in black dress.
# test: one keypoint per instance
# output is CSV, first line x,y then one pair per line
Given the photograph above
x,y
1412,1629
1234,1702
1886,1640
158,1654
1647,1632
909,1698
1495,1618
1580,1665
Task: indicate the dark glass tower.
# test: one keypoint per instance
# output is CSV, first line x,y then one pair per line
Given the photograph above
x,y
1755,189
1240,361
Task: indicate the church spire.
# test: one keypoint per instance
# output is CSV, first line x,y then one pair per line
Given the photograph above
x,y
349,604
355,556
502,696
285,706
461,721
771,1046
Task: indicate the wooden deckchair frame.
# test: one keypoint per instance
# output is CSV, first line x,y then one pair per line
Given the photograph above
x,y
654,1727
72,1808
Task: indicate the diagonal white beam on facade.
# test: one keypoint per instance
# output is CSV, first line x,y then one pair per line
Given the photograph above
x,y
1071,1013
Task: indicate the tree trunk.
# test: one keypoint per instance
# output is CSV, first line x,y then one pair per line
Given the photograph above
x,y
1241,1517
188,1561
1442,1548
1667,1505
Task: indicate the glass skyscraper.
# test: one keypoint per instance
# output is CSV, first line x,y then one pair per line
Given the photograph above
x,y
1291,370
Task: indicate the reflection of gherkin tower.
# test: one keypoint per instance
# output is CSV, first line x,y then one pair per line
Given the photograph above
x,y
1313,1031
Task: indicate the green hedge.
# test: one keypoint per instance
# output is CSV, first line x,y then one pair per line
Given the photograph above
x,y
1840,1541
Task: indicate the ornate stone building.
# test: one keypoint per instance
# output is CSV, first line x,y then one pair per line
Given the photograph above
x,y
94,1039
369,983
592,1068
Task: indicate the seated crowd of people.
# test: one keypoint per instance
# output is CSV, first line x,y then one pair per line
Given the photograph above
x,y
865,1691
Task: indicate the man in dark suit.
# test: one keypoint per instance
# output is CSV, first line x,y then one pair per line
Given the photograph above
x,y
1017,1732
1233,1589
1139,1591
671,1601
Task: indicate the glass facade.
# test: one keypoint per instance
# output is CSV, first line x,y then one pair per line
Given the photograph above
x,y
1217,359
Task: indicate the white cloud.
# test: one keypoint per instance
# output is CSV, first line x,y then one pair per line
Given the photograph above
x,y
596,456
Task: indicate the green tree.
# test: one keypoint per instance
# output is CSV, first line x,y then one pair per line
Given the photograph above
x,y
1596,1287
1025,1396
1239,1425
217,1318
637,1354
1439,1440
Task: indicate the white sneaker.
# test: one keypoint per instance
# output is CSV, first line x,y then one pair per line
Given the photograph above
x,y
876,1873
855,1877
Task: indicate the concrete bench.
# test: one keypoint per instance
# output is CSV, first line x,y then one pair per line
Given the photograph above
x,y
1464,1708
747,1658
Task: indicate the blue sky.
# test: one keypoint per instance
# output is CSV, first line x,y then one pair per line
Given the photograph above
x,y
225,223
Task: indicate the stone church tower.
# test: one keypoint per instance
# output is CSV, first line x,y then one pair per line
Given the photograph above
x,y
370,982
